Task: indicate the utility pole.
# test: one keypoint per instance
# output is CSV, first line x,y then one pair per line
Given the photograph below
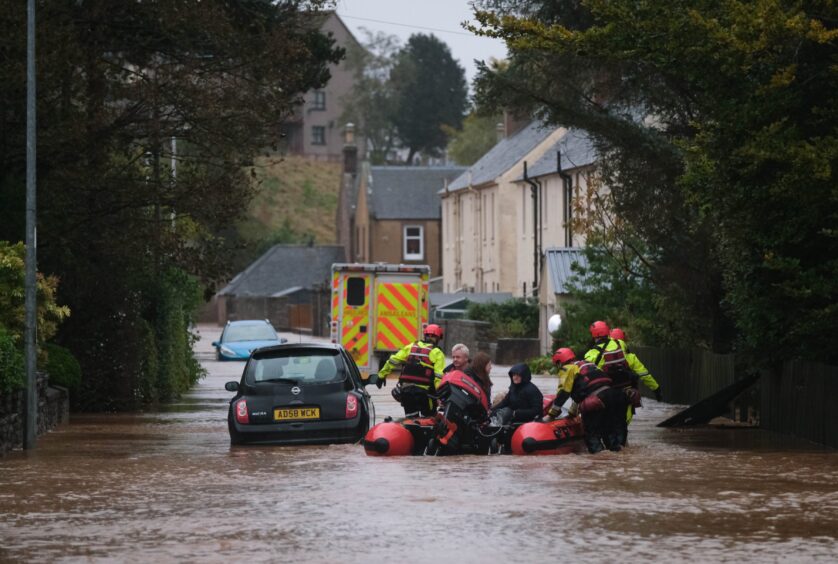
x,y
30,303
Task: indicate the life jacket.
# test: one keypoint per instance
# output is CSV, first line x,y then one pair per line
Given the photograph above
x,y
418,369
589,380
615,364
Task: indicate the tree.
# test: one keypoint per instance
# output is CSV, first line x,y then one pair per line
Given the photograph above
x,y
430,93
478,135
715,124
129,238
371,104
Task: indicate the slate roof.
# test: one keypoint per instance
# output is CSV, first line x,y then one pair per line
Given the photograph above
x,y
408,192
503,156
440,300
559,266
283,268
576,148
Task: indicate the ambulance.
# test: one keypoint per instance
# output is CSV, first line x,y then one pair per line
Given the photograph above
x,y
377,309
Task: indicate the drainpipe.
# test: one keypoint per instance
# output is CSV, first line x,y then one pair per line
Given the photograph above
x,y
568,192
534,192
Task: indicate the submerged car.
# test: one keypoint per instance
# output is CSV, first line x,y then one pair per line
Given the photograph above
x,y
240,338
300,393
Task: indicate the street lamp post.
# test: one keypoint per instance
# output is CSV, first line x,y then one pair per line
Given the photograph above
x,y
30,303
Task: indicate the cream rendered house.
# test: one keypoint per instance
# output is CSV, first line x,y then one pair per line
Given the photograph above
x,y
507,229
497,221
482,212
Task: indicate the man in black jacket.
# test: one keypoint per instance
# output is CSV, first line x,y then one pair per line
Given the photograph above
x,y
524,401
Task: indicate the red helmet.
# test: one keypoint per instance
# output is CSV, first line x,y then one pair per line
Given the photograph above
x,y
434,329
599,329
617,333
563,356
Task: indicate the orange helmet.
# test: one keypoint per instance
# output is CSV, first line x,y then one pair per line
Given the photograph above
x,y
434,329
599,329
563,356
617,333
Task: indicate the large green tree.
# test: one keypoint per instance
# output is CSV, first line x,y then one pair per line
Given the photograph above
x,y
716,127
430,93
148,115
370,105
478,135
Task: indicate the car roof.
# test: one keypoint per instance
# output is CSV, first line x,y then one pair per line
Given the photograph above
x,y
303,346
249,322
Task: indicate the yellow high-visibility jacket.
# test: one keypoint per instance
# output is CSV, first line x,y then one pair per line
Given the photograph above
x,y
397,360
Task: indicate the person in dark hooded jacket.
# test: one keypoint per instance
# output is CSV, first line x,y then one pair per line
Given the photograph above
x,y
523,401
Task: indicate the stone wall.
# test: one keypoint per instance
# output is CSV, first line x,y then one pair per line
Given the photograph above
x,y
53,410
513,351
473,334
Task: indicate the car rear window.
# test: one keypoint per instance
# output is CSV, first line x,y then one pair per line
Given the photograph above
x,y
249,333
304,367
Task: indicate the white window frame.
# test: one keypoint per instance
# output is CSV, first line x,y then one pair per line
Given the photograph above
x,y
405,238
319,102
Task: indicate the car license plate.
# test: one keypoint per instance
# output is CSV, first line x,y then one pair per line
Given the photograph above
x,y
291,413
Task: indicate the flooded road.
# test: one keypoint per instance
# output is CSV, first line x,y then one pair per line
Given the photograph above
x,y
166,486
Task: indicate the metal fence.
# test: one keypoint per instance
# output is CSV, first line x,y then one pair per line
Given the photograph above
x,y
792,399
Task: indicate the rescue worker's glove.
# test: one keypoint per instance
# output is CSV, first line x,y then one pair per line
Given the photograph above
x,y
658,394
552,413
381,382
397,393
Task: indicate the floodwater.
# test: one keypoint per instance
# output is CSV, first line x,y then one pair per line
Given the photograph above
x,y
166,486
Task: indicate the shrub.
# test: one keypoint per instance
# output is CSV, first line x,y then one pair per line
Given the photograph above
x,y
512,318
542,365
62,367
12,369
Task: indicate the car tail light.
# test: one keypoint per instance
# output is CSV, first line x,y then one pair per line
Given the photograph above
x,y
241,412
351,406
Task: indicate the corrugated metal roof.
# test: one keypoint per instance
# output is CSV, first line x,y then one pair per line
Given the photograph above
x,y
503,156
408,192
576,150
560,261
284,267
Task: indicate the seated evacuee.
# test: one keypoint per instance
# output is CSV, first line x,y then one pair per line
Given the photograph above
x,y
421,365
459,358
602,406
524,401
480,369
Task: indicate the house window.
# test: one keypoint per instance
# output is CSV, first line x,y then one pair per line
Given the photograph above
x,y
319,102
318,135
413,243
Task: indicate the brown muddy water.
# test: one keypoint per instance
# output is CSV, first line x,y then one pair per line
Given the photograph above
x,y
167,487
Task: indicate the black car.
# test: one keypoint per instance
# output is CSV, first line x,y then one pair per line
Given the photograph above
x,y
300,393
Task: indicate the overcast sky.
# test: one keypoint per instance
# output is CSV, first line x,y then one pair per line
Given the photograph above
x,y
441,18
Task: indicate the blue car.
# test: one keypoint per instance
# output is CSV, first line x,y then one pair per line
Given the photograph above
x,y
240,338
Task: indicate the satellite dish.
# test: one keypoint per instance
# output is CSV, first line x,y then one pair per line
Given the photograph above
x,y
554,323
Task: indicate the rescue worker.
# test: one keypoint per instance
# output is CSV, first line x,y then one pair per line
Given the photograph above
x,y
610,356
421,364
523,402
640,369
601,405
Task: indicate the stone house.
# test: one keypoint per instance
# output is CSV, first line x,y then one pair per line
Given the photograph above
x,y
397,214
315,130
